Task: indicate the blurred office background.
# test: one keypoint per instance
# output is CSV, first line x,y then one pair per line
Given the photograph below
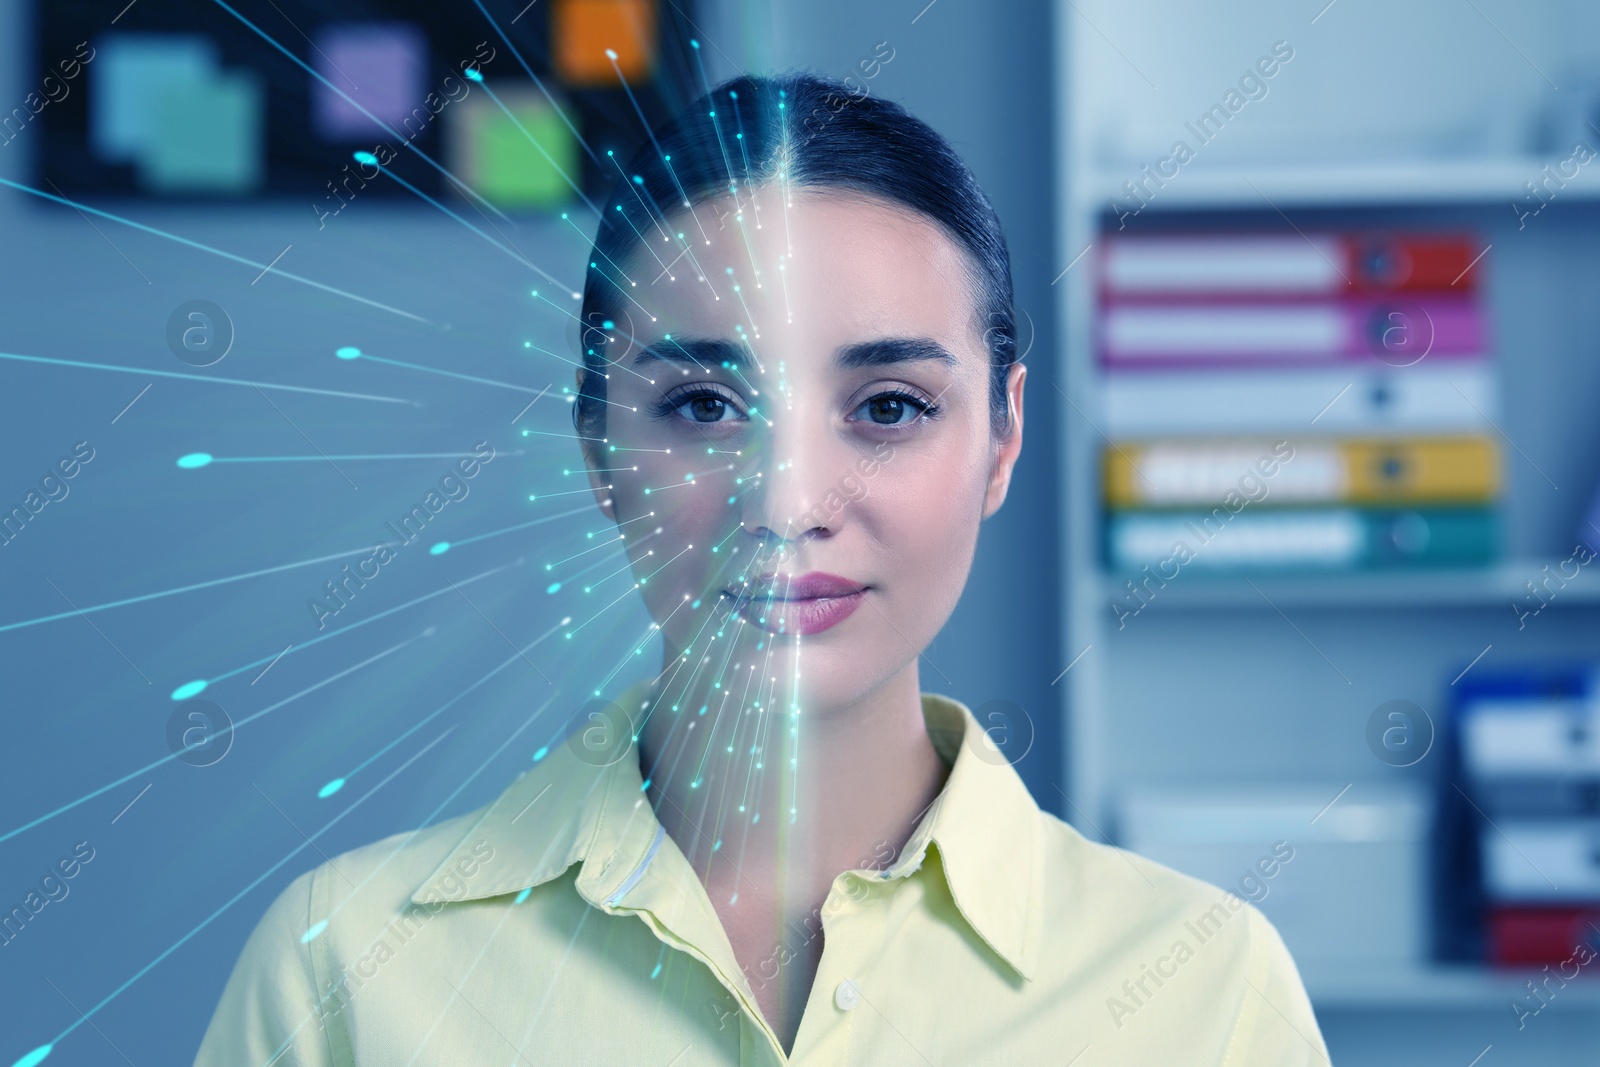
x,y
1376,245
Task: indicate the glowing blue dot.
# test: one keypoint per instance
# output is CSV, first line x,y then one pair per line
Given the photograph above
x,y
34,1057
348,352
553,588
694,44
367,157
608,325
194,460
696,604
638,180
473,74
189,689
644,786
655,972
717,846
439,549
313,933
730,499
539,755
331,788
523,895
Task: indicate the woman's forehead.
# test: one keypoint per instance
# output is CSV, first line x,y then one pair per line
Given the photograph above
x,y
821,266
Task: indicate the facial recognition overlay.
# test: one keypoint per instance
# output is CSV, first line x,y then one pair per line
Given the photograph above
x,y
488,489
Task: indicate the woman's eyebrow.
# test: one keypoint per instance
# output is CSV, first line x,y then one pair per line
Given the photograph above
x,y
704,352
894,350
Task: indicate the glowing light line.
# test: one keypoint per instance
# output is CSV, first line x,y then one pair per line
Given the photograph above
x,y
147,768
181,589
355,104
529,71
518,526
449,373
615,265
346,629
85,1016
519,653
204,378
319,459
513,253
548,158
216,251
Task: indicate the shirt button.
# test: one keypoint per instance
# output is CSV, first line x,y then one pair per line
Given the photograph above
x,y
847,996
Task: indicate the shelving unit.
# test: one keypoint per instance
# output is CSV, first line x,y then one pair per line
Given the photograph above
x,y
1490,588
1224,679
1464,181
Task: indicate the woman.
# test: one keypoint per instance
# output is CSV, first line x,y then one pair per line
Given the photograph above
x,y
799,400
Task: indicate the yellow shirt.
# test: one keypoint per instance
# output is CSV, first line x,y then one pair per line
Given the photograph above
x,y
562,925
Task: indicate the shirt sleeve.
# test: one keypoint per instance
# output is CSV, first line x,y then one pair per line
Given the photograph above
x,y
269,1010
1276,1025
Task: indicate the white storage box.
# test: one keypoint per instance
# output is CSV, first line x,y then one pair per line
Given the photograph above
x,y
1353,888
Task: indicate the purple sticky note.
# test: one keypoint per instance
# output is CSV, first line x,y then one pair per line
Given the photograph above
x,y
379,65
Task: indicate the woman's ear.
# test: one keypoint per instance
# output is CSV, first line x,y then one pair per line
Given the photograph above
x,y
1010,446
593,452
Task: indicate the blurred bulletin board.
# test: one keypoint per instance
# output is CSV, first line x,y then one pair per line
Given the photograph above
x,y
185,100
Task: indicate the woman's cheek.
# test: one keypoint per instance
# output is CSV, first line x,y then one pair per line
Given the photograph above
x,y
671,549
934,527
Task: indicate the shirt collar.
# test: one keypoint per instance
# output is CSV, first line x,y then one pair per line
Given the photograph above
x,y
990,837
986,825
567,809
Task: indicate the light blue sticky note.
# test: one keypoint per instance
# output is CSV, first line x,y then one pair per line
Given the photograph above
x,y
205,137
129,71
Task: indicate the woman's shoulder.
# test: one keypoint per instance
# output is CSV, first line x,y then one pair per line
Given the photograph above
x,y
1161,945
1132,897
377,878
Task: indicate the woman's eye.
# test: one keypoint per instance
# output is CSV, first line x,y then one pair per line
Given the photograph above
x,y
706,407
890,409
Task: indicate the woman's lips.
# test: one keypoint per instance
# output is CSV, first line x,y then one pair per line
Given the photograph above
x,y
805,605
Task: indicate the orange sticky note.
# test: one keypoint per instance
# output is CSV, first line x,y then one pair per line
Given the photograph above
x,y
585,29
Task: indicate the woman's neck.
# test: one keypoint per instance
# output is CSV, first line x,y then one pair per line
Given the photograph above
x,y
823,792
768,830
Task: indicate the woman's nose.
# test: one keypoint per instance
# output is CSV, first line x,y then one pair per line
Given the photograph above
x,y
797,467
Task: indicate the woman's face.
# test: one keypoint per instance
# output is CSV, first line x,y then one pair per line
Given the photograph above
x,y
798,444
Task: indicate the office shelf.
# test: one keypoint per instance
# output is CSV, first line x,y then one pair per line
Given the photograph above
x,y
1219,689
1482,587
1421,182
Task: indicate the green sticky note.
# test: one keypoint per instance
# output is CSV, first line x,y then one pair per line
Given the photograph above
x,y
514,156
205,136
